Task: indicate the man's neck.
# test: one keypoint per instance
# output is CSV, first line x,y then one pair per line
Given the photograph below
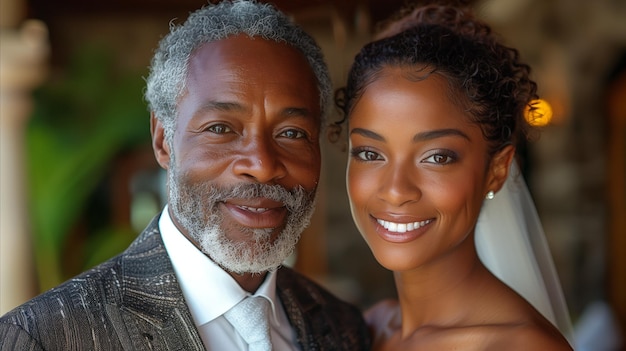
x,y
250,282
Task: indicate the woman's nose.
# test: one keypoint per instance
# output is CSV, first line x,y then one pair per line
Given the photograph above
x,y
399,186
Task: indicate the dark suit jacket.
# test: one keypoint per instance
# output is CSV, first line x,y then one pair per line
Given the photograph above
x,y
134,302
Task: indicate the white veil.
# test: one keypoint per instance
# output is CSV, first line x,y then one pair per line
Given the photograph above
x,y
511,243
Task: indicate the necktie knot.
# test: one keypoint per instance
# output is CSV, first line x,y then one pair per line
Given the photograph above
x,y
251,319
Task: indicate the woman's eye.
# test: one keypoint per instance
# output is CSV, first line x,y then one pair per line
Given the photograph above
x,y
367,155
293,134
440,159
219,129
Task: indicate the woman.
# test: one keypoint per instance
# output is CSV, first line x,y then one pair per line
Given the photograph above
x,y
433,112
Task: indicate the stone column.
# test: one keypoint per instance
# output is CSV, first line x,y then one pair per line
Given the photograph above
x,y
23,58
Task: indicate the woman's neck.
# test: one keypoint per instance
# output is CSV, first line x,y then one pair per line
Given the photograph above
x,y
438,294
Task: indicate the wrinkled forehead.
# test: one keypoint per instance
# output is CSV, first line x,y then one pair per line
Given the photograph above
x,y
249,69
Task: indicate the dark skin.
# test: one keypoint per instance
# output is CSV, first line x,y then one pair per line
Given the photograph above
x,y
417,177
250,114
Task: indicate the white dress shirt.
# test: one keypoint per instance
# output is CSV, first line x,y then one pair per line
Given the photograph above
x,y
210,291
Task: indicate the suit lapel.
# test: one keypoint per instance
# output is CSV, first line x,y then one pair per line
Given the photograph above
x,y
154,310
305,313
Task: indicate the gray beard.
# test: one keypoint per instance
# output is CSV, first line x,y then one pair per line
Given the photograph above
x,y
196,209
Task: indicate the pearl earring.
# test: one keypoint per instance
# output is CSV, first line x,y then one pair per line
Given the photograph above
x,y
490,195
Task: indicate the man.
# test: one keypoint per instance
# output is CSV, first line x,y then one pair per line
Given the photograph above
x,y
237,97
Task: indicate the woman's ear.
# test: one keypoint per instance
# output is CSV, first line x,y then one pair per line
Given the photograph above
x,y
159,144
499,168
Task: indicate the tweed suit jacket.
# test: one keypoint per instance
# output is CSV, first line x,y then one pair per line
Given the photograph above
x,y
134,302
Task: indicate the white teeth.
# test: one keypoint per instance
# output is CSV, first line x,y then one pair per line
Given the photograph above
x,y
254,209
402,227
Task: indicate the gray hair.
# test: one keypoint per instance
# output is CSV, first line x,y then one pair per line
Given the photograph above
x,y
167,79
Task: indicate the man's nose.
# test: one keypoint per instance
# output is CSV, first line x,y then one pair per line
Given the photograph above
x,y
260,159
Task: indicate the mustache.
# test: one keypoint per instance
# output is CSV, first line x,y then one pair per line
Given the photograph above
x,y
291,198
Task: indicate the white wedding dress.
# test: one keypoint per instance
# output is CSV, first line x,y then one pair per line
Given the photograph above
x,y
510,241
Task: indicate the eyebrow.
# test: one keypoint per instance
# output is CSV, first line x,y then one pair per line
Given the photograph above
x,y
423,136
438,133
224,106
367,133
296,112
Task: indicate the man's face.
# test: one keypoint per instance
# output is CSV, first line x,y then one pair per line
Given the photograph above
x,y
246,158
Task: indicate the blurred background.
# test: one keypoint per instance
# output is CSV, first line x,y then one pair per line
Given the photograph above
x,y
79,180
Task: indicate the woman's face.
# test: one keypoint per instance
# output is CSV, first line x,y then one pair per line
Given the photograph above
x,y
417,173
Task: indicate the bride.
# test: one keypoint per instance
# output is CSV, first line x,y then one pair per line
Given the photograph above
x,y
433,109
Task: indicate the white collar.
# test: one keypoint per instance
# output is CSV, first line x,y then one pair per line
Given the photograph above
x,y
209,290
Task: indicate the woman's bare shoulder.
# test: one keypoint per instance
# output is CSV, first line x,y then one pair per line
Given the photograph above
x,y
511,323
525,331
485,338
528,337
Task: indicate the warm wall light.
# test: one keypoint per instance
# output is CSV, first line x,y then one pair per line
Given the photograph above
x,y
538,113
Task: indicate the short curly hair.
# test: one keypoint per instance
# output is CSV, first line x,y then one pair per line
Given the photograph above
x,y
486,78
167,79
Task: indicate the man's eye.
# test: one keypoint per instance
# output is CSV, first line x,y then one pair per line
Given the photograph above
x,y
293,134
219,129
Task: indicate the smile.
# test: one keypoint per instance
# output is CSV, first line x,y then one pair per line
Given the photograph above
x,y
402,227
254,209
259,215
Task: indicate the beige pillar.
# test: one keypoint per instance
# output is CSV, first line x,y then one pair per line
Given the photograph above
x,y
23,57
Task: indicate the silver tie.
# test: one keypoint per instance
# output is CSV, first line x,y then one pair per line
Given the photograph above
x,y
251,319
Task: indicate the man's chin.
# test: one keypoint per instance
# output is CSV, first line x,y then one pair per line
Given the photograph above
x,y
249,266
256,255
